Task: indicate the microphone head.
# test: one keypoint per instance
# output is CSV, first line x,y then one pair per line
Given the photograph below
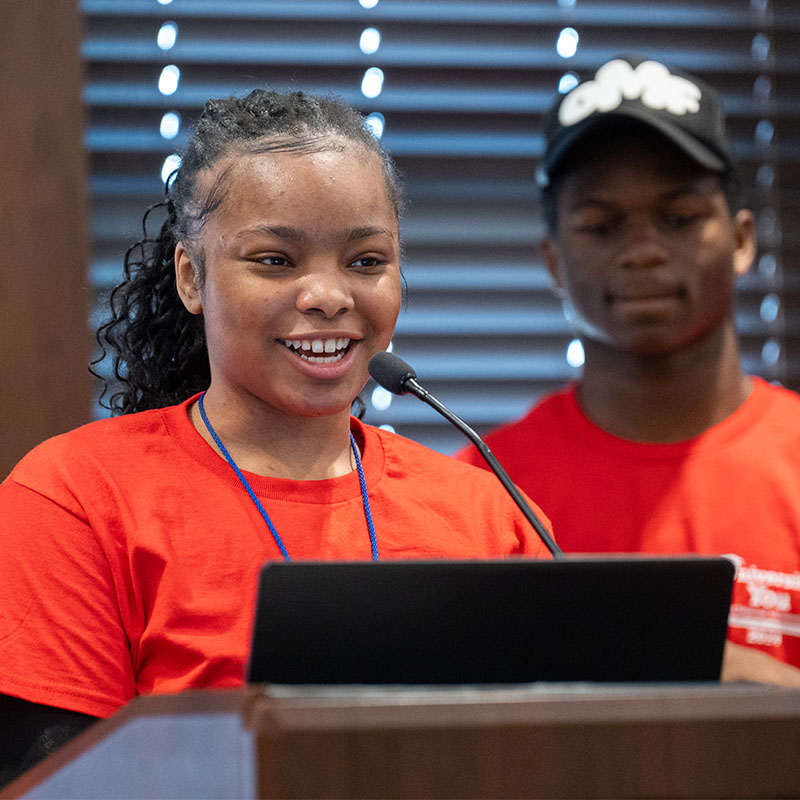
x,y
390,372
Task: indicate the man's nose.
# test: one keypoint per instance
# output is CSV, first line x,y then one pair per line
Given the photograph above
x,y
642,245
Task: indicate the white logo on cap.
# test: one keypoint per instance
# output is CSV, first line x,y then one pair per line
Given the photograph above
x,y
651,82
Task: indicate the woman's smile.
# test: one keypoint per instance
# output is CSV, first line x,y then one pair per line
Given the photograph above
x,y
301,286
322,357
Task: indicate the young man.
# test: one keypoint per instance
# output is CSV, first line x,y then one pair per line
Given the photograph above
x,y
663,445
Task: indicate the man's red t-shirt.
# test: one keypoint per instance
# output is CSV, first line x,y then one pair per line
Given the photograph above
x,y
734,490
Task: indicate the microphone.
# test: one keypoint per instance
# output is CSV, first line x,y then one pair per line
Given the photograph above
x,y
398,377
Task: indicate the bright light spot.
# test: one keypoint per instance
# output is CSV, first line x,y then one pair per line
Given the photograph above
x,y
168,80
372,82
765,130
767,224
770,306
370,40
771,351
767,265
762,87
167,36
765,176
567,44
381,398
390,348
376,123
389,428
170,125
171,163
759,49
368,3
569,80
164,2
575,353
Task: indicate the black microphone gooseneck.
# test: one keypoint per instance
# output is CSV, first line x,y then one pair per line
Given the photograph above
x,y
398,377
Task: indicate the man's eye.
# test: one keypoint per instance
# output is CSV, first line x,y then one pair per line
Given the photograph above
x,y
598,228
680,220
274,261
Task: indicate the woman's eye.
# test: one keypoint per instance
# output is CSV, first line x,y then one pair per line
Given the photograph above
x,y
366,262
274,261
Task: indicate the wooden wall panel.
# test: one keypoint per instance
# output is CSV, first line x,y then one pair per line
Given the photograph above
x,y
44,344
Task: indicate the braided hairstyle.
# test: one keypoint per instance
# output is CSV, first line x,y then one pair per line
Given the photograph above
x,y
158,348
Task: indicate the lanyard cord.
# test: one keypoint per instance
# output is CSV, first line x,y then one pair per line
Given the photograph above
x,y
361,479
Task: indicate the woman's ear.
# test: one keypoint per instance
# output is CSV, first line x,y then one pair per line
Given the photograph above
x,y
186,280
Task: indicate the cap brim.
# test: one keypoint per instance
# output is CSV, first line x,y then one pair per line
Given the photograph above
x,y
696,150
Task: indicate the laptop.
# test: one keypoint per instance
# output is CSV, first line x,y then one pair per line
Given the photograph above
x,y
589,619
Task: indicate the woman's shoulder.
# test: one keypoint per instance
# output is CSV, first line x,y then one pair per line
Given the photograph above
x,y
112,440
405,458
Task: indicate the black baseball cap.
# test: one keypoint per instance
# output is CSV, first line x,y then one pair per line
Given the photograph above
x,y
683,108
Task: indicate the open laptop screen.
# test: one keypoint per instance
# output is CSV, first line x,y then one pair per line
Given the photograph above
x,y
620,619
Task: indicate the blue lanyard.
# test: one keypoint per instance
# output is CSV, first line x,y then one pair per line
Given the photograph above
x,y
362,481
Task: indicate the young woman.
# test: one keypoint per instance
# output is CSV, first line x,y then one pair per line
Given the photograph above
x,y
131,547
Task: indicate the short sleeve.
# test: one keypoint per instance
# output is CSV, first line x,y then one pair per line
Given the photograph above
x,y
62,639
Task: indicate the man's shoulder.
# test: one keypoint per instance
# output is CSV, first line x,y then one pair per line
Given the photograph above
x,y
778,395
776,407
545,426
548,414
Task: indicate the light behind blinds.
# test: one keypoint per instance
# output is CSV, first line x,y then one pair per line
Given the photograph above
x,y
465,85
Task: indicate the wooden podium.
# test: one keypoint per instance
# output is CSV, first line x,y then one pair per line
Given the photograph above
x,y
555,741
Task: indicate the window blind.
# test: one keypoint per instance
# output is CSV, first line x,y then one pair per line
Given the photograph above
x,y
461,91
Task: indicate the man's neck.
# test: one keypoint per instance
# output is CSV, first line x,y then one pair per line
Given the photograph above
x,y
664,398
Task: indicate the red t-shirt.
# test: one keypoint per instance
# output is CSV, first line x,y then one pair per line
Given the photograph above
x,y
130,552
733,490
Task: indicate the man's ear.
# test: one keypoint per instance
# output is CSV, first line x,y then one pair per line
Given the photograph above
x,y
186,280
745,241
549,251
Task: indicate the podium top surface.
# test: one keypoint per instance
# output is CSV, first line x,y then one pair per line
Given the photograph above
x,y
216,743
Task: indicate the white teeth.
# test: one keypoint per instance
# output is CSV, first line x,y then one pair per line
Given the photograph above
x,y
303,347
323,360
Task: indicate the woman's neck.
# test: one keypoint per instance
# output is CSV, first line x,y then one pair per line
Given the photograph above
x,y
266,441
665,398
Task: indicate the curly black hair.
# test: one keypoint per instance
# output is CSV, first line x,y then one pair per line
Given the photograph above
x,y
158,348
